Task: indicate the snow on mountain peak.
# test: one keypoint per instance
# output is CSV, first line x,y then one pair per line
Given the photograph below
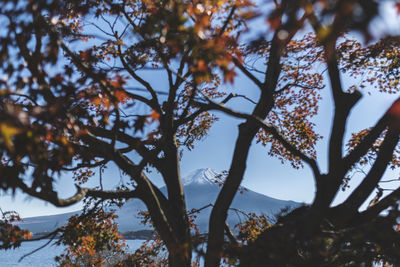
x,y
201,176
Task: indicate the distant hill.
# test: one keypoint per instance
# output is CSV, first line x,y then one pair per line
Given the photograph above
x,y
45,223
200,190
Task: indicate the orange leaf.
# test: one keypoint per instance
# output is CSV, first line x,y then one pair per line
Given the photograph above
x,y
201,66
116,84
28,235
229,76
122,96
150,137
101,100
96,101
154,116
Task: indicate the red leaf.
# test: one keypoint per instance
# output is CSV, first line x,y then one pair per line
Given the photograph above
x,y
394,110
394,115
274,20
397,6
84,55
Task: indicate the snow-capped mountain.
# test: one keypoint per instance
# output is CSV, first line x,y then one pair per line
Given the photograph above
x,y
201,189
201,176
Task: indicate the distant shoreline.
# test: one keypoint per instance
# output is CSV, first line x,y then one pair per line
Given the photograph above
x,y
131,235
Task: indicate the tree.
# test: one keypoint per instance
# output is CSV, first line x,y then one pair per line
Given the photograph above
x,y
67,107
91,239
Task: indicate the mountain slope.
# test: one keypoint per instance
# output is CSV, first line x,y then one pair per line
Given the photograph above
x,y
200,190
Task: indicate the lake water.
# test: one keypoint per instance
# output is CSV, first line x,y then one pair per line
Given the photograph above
x,y
43,257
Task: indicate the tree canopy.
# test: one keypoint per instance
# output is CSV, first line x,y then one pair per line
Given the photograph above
x,y
77,93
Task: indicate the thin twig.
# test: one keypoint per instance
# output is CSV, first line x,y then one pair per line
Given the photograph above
x,y
37,249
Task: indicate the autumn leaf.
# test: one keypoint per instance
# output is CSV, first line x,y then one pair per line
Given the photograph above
x,y
397,7
101,101
154,116
122,96
8,132
394,114
84,55
229,76
249,15
201,66
323,3
28,235
96,101
150,137
394,110
274,20
59,78
116,84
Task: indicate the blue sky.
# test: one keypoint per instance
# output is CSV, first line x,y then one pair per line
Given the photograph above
x,y
263,174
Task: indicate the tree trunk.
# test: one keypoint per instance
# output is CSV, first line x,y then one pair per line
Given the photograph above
x,y
180,256
180,252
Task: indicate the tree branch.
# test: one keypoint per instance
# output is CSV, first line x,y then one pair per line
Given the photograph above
x,y
269,129
230,235
86,165
51,196
365,144
133,143
383,204
230,96
155,104
26,96
154,199
361,193
247,73
225,25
